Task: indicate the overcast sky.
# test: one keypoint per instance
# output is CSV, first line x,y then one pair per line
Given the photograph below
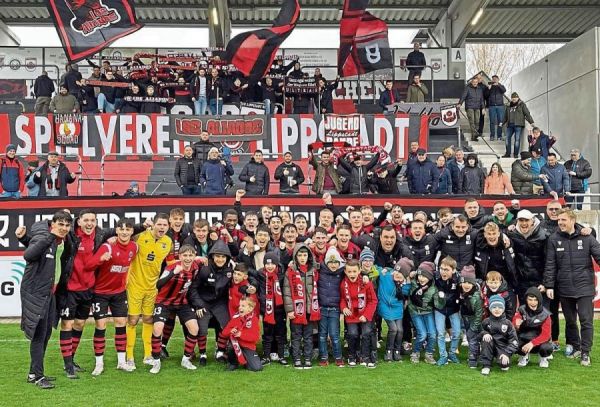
x,y
185,37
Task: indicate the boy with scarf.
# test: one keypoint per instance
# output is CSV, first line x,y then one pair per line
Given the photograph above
x,y
269,281
301,303
498,337
330,277
240,288
370,272
422,294
447,306
496,285
533,324
471,309
358,303
392,291
243,332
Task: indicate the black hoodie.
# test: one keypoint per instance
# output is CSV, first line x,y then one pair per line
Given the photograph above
x,y
471,179
211,285
531,327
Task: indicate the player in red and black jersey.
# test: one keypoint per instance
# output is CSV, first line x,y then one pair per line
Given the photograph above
x,y
111,262
172,287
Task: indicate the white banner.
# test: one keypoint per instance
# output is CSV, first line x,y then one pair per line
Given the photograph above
x,y
11,275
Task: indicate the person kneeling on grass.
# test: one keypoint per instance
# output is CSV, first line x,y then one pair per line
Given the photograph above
x,y
172,287
498,337
533,324
243,331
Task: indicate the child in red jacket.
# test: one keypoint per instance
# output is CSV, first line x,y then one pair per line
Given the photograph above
x,y
358,303
240,288
243,331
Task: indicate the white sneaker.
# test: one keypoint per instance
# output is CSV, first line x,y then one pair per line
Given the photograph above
x,y
465,341
447,338
544,363
504,369
523,361
485,371
155,366
220,356
128,366
186,363
98,370
149,361
274,357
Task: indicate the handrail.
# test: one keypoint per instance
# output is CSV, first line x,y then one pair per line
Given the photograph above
x,y
103,161
13,102
480,136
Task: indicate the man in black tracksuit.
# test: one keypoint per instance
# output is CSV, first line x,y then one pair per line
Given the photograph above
x,y
423,246
457,240
569,269
492,254
498,337
47,254
289,175
390,248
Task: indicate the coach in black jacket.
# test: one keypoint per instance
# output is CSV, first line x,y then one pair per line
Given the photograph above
x,y
289,175
457,240
569,269
37,298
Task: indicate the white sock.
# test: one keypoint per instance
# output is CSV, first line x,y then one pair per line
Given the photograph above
x,y
121,357
99,360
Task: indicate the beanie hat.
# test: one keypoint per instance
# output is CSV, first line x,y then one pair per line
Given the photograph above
x,y
333,255
534,292
34,163
367,254
133,184
467,275
426,269
514,95
404,266
271,258
525,155
11,147
496,301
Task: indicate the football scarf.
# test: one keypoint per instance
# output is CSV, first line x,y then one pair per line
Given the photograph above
x,y
416,296
273,296
242,322
86,27
299,301
361,296
253,52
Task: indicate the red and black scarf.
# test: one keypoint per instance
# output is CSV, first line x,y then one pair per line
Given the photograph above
x,y
361,295
50,184
241,322
273,296
298,289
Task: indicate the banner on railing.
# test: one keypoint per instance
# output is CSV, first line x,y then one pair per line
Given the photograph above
x,y
441,115
67,129
342,127
155,134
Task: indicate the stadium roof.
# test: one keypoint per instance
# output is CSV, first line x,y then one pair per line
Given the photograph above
x,y
501,21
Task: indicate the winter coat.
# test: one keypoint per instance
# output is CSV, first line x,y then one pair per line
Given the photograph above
x,y
428,299
38,279
326,97
424,249
320,176
448,299
478,221
307,280
128,106
423,177
70,81
295,173
87,99
486,256
359,182
110,92
559,179
536,325
64,104
530,254
456,174
416,61
472,180
543,142
460,249
569,266
211,285
195,86
516,114
494,95
388,184
213,176
583,170
391,297
444,181
329,286
471,308
12,175
417,94
400,249
385,99
64,177
181,171
33,189
498,185
369,305
43,86
473,97
522,178
503,332
258,279
260,186
201,149
502,291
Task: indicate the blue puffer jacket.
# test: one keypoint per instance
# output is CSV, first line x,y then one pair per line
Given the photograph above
x,y
536,168
213,175
422,177
444,181
328,286
389,306
559,180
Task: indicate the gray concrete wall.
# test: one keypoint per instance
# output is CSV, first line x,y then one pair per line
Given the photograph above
x,y
563,94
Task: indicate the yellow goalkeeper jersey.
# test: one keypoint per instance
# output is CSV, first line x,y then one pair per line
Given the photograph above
x,y
146,265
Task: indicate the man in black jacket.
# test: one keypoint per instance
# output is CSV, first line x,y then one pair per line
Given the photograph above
x,y
202,147
494,97
289,175
46,255
256,175
416,62
569,269
390,248
187,172
53,177
389,96
457,240
474,102
579,170
43,88
326,95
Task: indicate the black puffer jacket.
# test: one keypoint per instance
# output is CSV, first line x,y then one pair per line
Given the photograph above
x,y
295,173
448,298
399,250
211,285
582,169
424,249
38,280
530,254
181,171
201,149
503,332
494,258
460,249
260,186
569,266
329,286
359,182
472,179
258,279
531,327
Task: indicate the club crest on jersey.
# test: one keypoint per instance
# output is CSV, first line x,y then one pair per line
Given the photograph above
x,y
361,301
249,324
229,274
504,328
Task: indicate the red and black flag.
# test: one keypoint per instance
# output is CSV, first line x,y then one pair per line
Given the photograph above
x,y
253,52
364,45
85,27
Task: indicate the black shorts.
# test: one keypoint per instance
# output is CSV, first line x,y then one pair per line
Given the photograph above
x,y
76,305
116,302
162,312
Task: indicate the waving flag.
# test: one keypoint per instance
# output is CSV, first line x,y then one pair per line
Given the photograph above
x,y
364,45
85,27
253,52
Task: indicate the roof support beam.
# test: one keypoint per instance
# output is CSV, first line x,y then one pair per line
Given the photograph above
x,y
456,23
219,24
7,37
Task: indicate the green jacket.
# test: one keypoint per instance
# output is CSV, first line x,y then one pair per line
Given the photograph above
x,y
517,114
416,94
64,104
471,309
373,275
320,176
522,178
428,299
